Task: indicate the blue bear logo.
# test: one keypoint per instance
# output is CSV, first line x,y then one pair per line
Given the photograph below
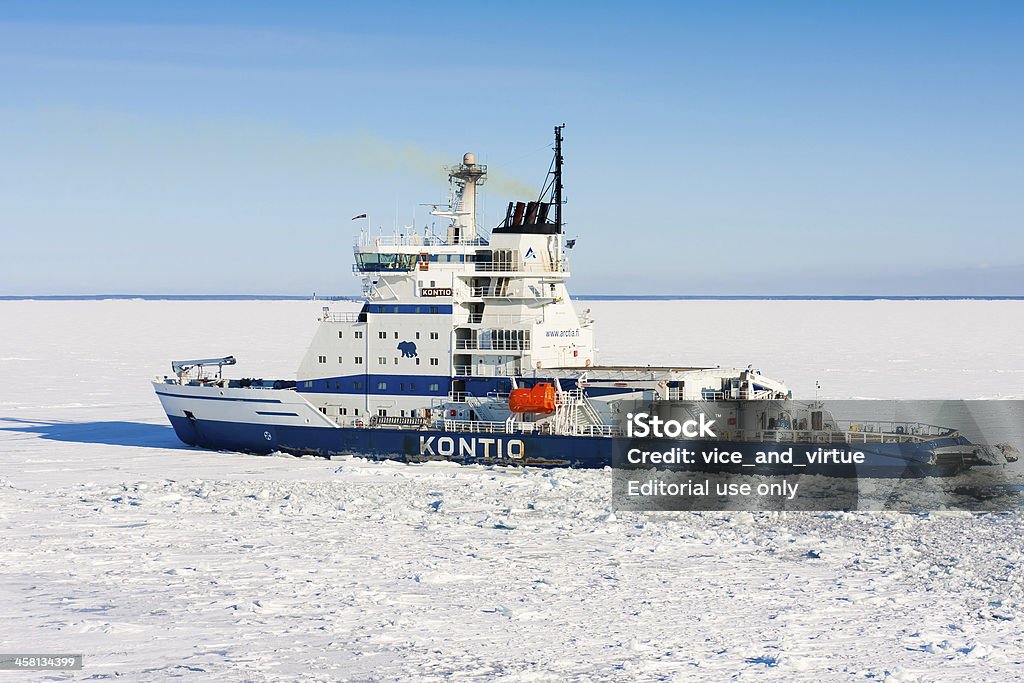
x,y
408,349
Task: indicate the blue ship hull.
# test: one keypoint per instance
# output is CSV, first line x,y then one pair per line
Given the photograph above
x,y
538,450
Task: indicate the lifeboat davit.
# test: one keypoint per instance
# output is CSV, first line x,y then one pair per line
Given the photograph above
x,y
539,399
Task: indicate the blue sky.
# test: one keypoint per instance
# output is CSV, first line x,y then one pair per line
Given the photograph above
x,y
722,148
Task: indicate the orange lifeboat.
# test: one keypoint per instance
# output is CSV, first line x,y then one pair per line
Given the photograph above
x,y
539,399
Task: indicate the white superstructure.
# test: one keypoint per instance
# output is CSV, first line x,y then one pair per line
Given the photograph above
x,y
452,319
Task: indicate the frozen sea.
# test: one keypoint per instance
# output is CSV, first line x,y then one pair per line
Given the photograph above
x,y
158,561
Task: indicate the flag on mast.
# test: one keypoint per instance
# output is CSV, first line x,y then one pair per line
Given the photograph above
x,y
362,215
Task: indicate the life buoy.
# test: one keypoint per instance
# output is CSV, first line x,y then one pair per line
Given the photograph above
x,y
358,423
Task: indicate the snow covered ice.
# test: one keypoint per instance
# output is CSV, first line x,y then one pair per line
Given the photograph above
x,y
158,561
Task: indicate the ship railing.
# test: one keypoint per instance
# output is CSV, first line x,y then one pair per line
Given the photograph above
x,y
488,292
411,240
521,267
740,394
414,240
493,345
897,428
487,371
488,426
835,436
346,317
756,395
598,430
479,319
495,427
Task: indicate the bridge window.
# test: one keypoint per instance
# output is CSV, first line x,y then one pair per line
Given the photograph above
x,y
371,262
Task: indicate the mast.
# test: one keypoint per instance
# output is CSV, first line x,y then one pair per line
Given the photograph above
x,y
558,176
536,217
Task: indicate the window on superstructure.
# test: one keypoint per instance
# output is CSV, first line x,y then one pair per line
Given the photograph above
x,y
433,361
359,360
434,309
382,386
322,359
435,335
381,360
396,361
382,335
433,387
357,385
355,411
307,385
417,335
396,335
323,410
342,411
340,335
417,361
359,334
339,359
383,412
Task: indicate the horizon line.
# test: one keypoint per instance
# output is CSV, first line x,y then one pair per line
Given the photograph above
x,y
579,297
